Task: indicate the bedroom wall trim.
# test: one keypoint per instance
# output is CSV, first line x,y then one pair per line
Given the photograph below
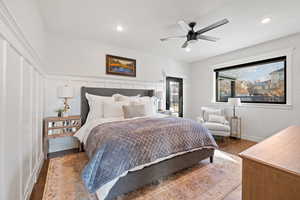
x,y
16,35
253,138
31,183
3,112
22,109
288,52
101,79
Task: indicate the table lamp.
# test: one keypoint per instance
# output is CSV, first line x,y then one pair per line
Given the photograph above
x,y
234,102
159,95
66,92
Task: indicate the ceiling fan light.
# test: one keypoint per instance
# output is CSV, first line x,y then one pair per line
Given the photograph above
x,y
187,49
119,28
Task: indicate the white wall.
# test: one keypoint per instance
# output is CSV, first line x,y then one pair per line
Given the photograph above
x,y
27,15
21,110
82,63
66,56
258,122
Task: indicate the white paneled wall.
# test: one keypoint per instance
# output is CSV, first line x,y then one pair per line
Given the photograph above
x,y
21,115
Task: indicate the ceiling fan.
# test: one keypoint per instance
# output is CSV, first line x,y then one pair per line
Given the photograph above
x,y
193,36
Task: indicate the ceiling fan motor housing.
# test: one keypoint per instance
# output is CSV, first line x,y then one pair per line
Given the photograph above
x,y
192,35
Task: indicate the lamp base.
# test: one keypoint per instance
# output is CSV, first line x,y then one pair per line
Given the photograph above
x,y
66,105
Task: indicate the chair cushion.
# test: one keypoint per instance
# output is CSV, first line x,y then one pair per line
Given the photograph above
x,y
216,126
220,133
216,119
210,111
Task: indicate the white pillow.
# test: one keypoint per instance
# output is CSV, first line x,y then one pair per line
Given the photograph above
x,y
209,112
216,119
96,106
149,103
119,97
114,109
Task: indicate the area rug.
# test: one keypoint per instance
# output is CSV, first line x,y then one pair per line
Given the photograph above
x,y
204,181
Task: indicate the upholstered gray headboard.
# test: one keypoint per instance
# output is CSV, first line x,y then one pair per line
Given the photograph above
x,y
107,92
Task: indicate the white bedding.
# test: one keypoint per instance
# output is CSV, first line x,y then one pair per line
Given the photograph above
x,y
83,133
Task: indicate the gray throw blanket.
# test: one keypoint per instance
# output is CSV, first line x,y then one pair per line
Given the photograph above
x,y
116,147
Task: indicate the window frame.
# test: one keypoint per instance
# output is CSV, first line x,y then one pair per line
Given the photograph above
x,y
249,64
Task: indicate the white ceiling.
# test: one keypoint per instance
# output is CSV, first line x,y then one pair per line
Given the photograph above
x,y
146,21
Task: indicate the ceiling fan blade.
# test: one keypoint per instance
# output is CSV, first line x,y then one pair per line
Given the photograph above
x,y
213,26
209,38
185,27
173,37
185,44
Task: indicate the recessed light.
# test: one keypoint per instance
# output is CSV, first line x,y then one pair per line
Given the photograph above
x,y
187,49
119,28
265,20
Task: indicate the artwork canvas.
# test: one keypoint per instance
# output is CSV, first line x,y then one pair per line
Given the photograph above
x,y
120,66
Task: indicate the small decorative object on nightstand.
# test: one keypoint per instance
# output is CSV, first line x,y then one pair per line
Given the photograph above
x,y
55,127
235,122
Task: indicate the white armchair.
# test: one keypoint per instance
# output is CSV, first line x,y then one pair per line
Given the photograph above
x,y
215,121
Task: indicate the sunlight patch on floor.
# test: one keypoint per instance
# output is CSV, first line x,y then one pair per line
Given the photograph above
x,y
224,156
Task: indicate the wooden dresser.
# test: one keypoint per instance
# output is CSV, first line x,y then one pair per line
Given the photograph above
x,y
271,169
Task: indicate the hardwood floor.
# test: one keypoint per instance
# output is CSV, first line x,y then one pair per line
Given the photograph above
x,y
235,146
232,146
38,190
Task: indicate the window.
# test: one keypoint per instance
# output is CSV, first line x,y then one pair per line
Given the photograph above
x,y
257,82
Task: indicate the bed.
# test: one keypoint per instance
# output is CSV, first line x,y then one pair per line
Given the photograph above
x,y
139,178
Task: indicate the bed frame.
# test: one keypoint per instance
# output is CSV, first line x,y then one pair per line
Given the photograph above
x,y
137,179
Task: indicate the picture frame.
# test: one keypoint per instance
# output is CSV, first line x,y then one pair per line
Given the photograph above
x,y
116,65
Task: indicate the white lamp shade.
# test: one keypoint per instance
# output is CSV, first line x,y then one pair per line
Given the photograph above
x,y
234,101
65,92
159,94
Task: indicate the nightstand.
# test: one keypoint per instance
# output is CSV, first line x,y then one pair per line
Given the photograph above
x,y
56,127
236,127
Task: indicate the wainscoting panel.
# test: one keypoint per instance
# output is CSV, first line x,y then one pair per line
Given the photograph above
x,y
12,141
27,121
21,113
2,113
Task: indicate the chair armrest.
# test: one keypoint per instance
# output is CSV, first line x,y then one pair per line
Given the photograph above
x,y
226,122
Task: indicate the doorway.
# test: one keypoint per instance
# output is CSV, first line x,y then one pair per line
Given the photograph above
x,y
174,95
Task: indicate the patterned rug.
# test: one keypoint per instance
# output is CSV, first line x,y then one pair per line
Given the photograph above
x,y
202,182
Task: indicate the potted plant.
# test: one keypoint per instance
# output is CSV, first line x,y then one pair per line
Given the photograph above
x,y
60,112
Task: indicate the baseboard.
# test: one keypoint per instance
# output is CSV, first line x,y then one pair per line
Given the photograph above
x,y
253,138
34,177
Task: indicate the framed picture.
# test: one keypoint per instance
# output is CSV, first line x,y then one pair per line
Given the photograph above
x,y
120,66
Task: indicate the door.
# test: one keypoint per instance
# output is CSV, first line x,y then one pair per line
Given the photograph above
x,y
174,101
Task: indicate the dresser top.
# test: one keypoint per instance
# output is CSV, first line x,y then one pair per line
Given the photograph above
x,y
281,151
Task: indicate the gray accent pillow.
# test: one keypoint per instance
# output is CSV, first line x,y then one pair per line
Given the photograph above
x,y
131,111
